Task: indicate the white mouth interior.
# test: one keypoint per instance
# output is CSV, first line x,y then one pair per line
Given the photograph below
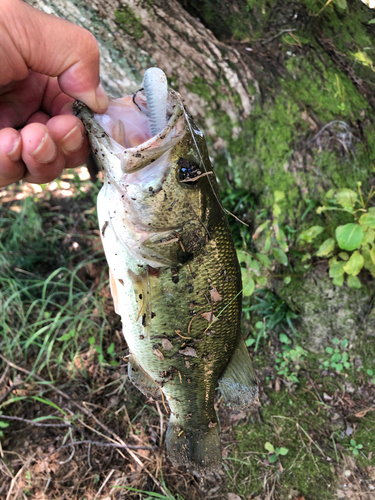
x,y
125,123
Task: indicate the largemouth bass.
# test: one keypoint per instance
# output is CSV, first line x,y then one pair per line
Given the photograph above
x,y
174,274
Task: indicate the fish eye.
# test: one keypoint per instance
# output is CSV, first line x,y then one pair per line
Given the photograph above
x,y
187,172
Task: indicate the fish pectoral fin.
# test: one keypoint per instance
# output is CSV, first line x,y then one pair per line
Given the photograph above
x,y
238,383
142,380
165,248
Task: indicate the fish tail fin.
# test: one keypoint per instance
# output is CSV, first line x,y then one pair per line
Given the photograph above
x,y
195,447
238,383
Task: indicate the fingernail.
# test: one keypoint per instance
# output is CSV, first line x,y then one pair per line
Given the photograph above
x,y
101,98
46,151
67,109
15,153
73,140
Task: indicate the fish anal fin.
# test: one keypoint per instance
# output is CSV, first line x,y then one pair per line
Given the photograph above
x,y
238,383
142,380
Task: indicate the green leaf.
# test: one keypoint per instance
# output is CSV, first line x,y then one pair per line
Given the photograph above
x,y
339,367
352,442
329,350
336,269
3,425
345,342
372,21
273,459
283,451
284,339
369,372
111,348
262,280
344,256
91,340
259,325
267,244
311,233
349,237
263,259
369,236
354,264
244,257
338,281
261,228
279,195
326,248
280,256
336,340
353,282
346,198
341,4
367,219
249,342
276,210
247,283
269,447
287,280
372,254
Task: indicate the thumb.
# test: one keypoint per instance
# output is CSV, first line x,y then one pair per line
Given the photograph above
x,y
53,47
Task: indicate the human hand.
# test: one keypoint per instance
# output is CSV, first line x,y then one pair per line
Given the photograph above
x,y
45,62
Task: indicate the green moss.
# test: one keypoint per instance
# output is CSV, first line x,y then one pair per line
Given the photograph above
x,y
129,22
287,421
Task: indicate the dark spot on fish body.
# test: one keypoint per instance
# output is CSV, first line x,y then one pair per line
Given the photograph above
x,y
105,225
190,288
137,155
141,337
144,320
153,315
140,296
175,279
150,188
121,281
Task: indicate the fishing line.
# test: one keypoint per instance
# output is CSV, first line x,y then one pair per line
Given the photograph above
x,y
201,159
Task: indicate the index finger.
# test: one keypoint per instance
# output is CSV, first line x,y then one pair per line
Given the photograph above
x,y
53,47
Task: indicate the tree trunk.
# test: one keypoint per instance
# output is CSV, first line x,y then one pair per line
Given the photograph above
x,y
284,92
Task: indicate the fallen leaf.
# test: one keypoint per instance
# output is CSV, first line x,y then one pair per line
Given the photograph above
x,y
189,351
233,496
167,344
209,316
215,295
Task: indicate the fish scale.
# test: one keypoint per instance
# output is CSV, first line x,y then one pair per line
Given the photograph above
x,y
175,278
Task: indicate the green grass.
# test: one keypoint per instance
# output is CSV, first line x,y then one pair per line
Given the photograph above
x,y
49,306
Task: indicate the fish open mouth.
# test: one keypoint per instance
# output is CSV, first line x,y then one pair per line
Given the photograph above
x,y
143,126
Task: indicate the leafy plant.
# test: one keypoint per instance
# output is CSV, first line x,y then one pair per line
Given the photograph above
x,y
354,447
288,362
351,246
339,356
274,453
274,239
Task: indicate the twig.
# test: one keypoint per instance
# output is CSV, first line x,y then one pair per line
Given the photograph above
x,y
276,36
3,398
37,424
91,415
198,177
105,482
99,443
